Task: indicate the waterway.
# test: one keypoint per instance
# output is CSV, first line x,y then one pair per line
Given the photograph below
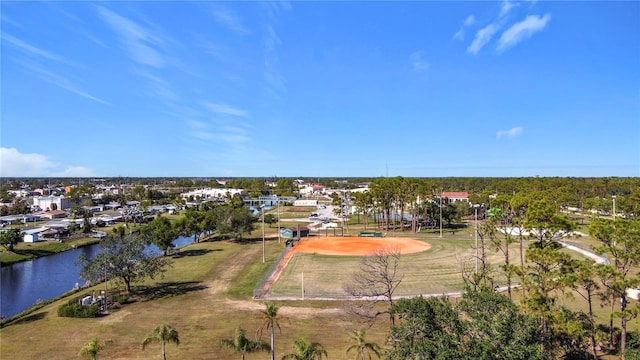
x,y
24,284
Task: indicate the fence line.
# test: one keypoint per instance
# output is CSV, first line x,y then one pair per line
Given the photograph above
x,y
261,289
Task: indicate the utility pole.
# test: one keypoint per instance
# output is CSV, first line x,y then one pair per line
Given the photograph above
x,y
263,249
440,214
476,208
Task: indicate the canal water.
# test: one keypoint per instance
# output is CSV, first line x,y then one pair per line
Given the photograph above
x,y
26,283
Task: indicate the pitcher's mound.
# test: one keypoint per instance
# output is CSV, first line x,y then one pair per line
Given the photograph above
x,y
342,245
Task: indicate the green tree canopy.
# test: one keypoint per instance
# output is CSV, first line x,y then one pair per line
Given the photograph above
x,y
123,259
306,350
10,238
162,334
242,345
160,232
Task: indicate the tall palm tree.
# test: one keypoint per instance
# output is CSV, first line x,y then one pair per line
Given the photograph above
x,y
240,344
361,346
270,317
306,351
91,349
162,334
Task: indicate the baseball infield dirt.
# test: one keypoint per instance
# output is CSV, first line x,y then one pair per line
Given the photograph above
x,y
350,246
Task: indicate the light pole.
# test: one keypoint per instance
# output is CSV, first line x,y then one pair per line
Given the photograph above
x,y
440,214
263,250
476,210
614,206
278,205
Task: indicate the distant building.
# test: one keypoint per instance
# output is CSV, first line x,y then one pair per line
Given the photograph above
x,y
54,214
45,202
453,196
293,233
301,202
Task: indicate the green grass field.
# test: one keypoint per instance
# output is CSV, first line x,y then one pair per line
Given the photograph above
x,y
435,271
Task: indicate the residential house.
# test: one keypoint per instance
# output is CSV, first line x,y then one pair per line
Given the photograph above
x,y
452,196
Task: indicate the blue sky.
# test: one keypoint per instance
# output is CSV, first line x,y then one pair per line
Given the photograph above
x,y
227,89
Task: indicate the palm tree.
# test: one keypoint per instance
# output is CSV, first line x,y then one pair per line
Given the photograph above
x,y
306,351
91,349
162,334
269,315
361,346
240,344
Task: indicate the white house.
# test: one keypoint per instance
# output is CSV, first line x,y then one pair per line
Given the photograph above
x,y
45,202
454,196
31,235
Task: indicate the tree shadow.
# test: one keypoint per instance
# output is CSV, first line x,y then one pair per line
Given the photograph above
x,y
193,252
34,252
27,319
168,289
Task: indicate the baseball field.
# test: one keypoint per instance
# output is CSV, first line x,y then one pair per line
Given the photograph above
x,y
324,265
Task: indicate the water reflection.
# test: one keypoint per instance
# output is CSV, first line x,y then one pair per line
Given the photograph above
x,y
24,284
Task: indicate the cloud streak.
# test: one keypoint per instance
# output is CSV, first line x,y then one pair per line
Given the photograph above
x,y
63,83
506,7
17,164
419,64
143,46
522,30
469,21
511,133
225,109
483,36
229,20
33,51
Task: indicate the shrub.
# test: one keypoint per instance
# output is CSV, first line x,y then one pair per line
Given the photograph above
x,y
73,308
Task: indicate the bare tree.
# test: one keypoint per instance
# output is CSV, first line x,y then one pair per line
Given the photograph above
x,y
375,282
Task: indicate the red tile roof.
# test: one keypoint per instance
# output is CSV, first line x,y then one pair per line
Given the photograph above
x,y
454,194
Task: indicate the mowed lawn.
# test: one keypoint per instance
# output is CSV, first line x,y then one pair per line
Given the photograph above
x,y
435,271
205,295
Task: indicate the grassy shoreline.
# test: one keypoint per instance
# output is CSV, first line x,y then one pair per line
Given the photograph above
x,y
30,251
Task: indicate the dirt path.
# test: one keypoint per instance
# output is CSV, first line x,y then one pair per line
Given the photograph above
x,y
230,269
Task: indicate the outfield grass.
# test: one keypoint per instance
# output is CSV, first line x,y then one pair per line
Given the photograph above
x,y
435,271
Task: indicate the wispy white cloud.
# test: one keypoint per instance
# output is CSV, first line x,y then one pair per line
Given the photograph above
x,y
62,82
511,133
143,46
272,75
275,8
225,109
33,51
231,136
483,36
506,7
469,21
229,20
15,163
459,35
522,30
160,87
418,62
